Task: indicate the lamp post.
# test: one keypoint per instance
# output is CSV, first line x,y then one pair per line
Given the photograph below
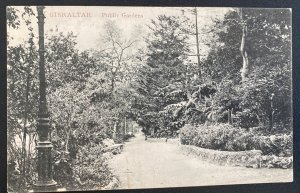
x,y
45,180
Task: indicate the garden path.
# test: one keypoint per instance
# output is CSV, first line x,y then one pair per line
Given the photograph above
x,y
146,164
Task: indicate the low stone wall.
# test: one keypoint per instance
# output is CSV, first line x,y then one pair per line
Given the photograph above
x,y
250,158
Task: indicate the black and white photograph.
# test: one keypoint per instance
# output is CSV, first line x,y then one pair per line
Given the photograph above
x,y
133,97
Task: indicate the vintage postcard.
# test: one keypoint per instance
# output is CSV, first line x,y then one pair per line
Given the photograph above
x,y
103,98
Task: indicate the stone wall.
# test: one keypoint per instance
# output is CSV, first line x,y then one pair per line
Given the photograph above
x,y
250,158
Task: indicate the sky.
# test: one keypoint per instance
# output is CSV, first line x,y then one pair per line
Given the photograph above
x,y
87,21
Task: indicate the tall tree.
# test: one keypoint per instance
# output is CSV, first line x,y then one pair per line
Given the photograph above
x,y
267,33
265,44
161,79
115,52
245,65
22,89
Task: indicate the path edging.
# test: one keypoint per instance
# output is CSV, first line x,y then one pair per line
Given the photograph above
x,y
251,158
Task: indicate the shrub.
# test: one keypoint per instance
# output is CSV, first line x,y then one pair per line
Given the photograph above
x,y
246,119
212,137
261,96
88,171
127,136
121,138
14,180
279,145
92,175
277,162
229,138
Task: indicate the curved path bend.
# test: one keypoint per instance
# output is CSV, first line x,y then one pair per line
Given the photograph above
x,y
146,164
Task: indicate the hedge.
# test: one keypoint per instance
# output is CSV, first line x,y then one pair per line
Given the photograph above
x,y
228,138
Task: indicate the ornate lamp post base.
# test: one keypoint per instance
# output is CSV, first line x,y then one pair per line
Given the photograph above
x,y
45,186
44,167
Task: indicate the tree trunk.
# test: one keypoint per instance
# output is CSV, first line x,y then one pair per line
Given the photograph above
x,y
245,67
29,151
271,115
112,83
197,42
67,140
230,116
23,169
115,131
125,128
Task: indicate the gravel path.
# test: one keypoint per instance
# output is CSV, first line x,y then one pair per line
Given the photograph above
x,y
143,164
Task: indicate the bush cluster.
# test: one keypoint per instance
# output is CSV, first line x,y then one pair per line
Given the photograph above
x,y
92,170
128,136
228,138
14,180
121,138
277,162
88,171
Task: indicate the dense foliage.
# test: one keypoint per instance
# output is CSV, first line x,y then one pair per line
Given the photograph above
x,y
262,100
84,109
97,94
229,138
